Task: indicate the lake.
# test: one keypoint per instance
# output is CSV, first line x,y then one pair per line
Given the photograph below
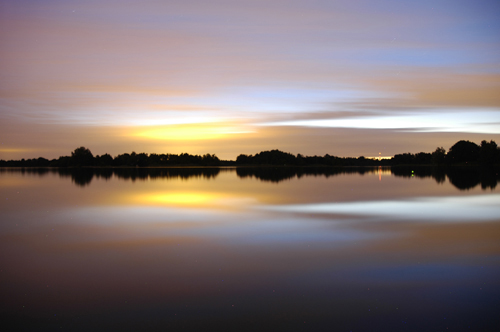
x,y
250,249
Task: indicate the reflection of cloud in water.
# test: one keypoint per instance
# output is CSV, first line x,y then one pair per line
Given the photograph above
x,y
470,208
253,227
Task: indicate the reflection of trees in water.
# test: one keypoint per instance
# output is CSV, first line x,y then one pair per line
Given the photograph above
x,y
463,178
80,176
142,174
272,174
467,178
168,173
83,176
40,171
436,173
278,174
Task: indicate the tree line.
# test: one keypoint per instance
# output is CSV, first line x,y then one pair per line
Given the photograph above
x,y
462,152
83,157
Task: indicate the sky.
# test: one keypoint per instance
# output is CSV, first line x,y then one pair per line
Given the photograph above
x,y
345,78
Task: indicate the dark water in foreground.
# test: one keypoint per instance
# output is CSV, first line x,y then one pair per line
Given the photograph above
x,y
250,250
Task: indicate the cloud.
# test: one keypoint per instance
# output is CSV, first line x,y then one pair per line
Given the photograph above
x,y
475,121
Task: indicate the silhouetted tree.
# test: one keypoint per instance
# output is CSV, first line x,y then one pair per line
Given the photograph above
x,y
489,152
210,160
274,157
403,159
104,160
438,156
142,160
300,160
154,159
82,157
423,158
63,161
122,160
243,159
463,151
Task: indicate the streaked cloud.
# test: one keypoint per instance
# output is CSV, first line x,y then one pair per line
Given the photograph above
x,y
473,121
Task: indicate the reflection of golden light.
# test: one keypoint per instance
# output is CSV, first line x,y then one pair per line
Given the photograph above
x,y
178,199
190,132
186,199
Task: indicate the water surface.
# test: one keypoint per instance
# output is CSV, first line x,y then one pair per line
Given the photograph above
x,y
250,249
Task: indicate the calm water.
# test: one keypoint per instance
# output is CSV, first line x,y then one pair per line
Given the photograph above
x,y
250,249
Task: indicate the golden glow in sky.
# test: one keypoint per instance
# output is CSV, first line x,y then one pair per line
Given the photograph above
x,y
189,132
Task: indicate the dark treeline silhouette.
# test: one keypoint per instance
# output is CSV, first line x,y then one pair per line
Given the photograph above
x,y
82,157
463,178
462,153
280,158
